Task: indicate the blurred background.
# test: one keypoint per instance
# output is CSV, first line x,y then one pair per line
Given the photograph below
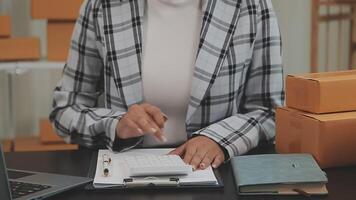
x,y
318,35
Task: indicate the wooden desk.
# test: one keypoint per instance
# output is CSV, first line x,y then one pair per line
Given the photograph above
x,y
342,181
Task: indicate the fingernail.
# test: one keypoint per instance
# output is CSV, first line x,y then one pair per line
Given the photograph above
x,y
194,168
163,138
140,131
202,165
153,130
165,117
214,166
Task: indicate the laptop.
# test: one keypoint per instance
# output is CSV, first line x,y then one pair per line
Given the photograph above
x,y
19,184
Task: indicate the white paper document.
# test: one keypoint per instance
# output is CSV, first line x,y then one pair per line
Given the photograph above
x,y
118,172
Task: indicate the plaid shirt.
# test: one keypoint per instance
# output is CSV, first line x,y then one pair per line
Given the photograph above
x,y
237,82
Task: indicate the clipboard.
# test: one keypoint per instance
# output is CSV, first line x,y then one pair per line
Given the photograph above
x,y
150,182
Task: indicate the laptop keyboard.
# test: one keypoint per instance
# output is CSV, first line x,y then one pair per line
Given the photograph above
x,y
19,189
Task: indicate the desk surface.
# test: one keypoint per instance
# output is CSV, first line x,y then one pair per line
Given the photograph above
x,y
342,181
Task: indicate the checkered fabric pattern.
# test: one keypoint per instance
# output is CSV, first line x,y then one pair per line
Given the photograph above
x,y
237,83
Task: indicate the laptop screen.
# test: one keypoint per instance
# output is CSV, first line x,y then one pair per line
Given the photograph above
x,y
4,182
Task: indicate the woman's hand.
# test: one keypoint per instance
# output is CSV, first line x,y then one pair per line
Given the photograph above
x,y
142,119
200,152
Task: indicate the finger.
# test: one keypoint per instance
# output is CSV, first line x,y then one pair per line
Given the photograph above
x,y
146,124
178,151
189,153
127,129
160,136
197,158
217,161
133,129
152,108
159,133
156,115
131,124
207,160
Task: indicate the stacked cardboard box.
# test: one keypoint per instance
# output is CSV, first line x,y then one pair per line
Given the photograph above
x,y
6,145
48,140
5,26
34,144
14,49
47,134
58,40
66,10
61,16
320,118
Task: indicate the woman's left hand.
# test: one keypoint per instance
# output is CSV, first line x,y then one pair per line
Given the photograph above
x,y
200,152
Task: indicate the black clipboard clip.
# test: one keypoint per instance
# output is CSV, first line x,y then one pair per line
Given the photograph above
x,y
151,181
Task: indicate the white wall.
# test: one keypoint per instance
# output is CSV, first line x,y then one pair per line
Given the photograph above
x,y
294,21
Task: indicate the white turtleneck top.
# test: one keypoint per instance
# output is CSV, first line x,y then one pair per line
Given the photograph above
x,y
170,44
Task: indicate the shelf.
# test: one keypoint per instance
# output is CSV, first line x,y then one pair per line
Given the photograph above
x,y
34,144
22,66
338,2
338,18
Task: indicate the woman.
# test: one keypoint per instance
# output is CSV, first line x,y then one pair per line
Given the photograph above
x,y
202,76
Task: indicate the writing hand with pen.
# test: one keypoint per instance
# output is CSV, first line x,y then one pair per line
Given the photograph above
x,y
141,119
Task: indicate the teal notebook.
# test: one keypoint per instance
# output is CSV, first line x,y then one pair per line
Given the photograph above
x,y
278,174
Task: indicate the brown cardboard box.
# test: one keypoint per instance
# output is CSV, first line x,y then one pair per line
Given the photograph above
x,y
6,145
34,144
330,138
55,9
5,26
59,35
19,49
322,92
47,134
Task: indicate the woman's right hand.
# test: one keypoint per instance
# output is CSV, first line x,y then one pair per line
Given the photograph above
x,y
142,119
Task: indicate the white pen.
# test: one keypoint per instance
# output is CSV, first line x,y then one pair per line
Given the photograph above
x,y
106,165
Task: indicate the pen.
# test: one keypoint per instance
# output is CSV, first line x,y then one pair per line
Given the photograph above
x,y
106,164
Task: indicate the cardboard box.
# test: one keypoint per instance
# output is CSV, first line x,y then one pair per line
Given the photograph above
x,y
59,36
55,9
13,49
5,26
330,138
34,144
322,92
47,134
6,145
